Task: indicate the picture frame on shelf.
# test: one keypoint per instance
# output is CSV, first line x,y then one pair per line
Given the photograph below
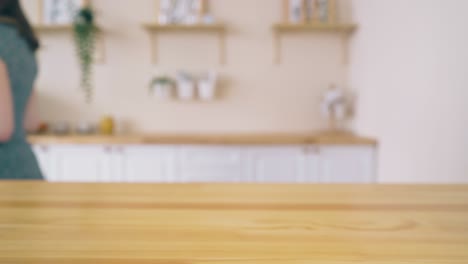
x,y
309,11
322,10
59,12
184,12
296,12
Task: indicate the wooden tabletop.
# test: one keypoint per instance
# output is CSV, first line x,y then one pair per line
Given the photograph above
x,y
224,139
44,223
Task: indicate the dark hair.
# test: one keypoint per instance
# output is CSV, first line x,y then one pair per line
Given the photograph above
x,y
11,11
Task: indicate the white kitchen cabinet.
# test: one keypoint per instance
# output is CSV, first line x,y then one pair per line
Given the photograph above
x,y
282,164
84,163
311,168
212,164
145,164
347,164
44,158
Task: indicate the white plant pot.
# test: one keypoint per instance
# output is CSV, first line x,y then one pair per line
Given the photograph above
x,y
162,91
206,91
186,90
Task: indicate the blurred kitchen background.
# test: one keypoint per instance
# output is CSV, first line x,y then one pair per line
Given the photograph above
x,y
345,91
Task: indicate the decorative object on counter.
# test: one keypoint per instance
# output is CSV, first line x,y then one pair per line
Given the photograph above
x,y
185,86
43,128
335,107
186,12
161,86
207,86
59,12
61,128
85,128
107,125
85,31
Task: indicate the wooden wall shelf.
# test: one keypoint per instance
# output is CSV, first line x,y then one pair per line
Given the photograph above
x,y
343,30
155,28
100,50
56,28
52,28
175,27
315,27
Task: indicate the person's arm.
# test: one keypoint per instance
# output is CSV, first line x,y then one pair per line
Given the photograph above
x,y
31,119
7,124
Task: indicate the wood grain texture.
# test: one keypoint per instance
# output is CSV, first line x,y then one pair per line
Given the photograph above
x,y
227,139
205,224
183,27
317,27
43,28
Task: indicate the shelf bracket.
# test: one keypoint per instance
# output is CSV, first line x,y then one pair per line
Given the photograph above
x,y
222,47
155,29
154,48
277,47
345,48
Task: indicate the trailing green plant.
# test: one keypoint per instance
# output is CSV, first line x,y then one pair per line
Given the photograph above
x,y
162,80
85,31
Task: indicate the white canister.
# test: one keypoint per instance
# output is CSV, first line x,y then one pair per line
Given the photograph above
x,y
162,90
186,90
206,90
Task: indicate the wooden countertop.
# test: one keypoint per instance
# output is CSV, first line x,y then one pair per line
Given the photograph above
x,y
227,139
43,223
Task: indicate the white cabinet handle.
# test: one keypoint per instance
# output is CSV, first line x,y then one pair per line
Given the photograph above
x,y
121,150
311,150
44,148
316,149
108,149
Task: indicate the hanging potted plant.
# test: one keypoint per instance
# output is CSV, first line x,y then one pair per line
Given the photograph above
x,y
85,31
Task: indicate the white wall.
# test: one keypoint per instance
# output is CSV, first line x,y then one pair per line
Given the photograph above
x,y
410,68
258,95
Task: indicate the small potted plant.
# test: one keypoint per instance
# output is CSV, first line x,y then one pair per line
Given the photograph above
x,y
161,87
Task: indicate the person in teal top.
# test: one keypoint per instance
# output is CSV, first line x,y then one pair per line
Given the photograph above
x,y
18,70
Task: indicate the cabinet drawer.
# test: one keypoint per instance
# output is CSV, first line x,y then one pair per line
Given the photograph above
x,y
280,164
211,164
152,164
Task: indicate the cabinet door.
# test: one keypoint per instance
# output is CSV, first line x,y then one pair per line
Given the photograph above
x,y
211,164
44,158
82,163
347,164
311,170
281,164
152,164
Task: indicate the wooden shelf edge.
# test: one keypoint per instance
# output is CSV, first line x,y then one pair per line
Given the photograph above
x,y
42,28
333,27
56,28
208,139
177,27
